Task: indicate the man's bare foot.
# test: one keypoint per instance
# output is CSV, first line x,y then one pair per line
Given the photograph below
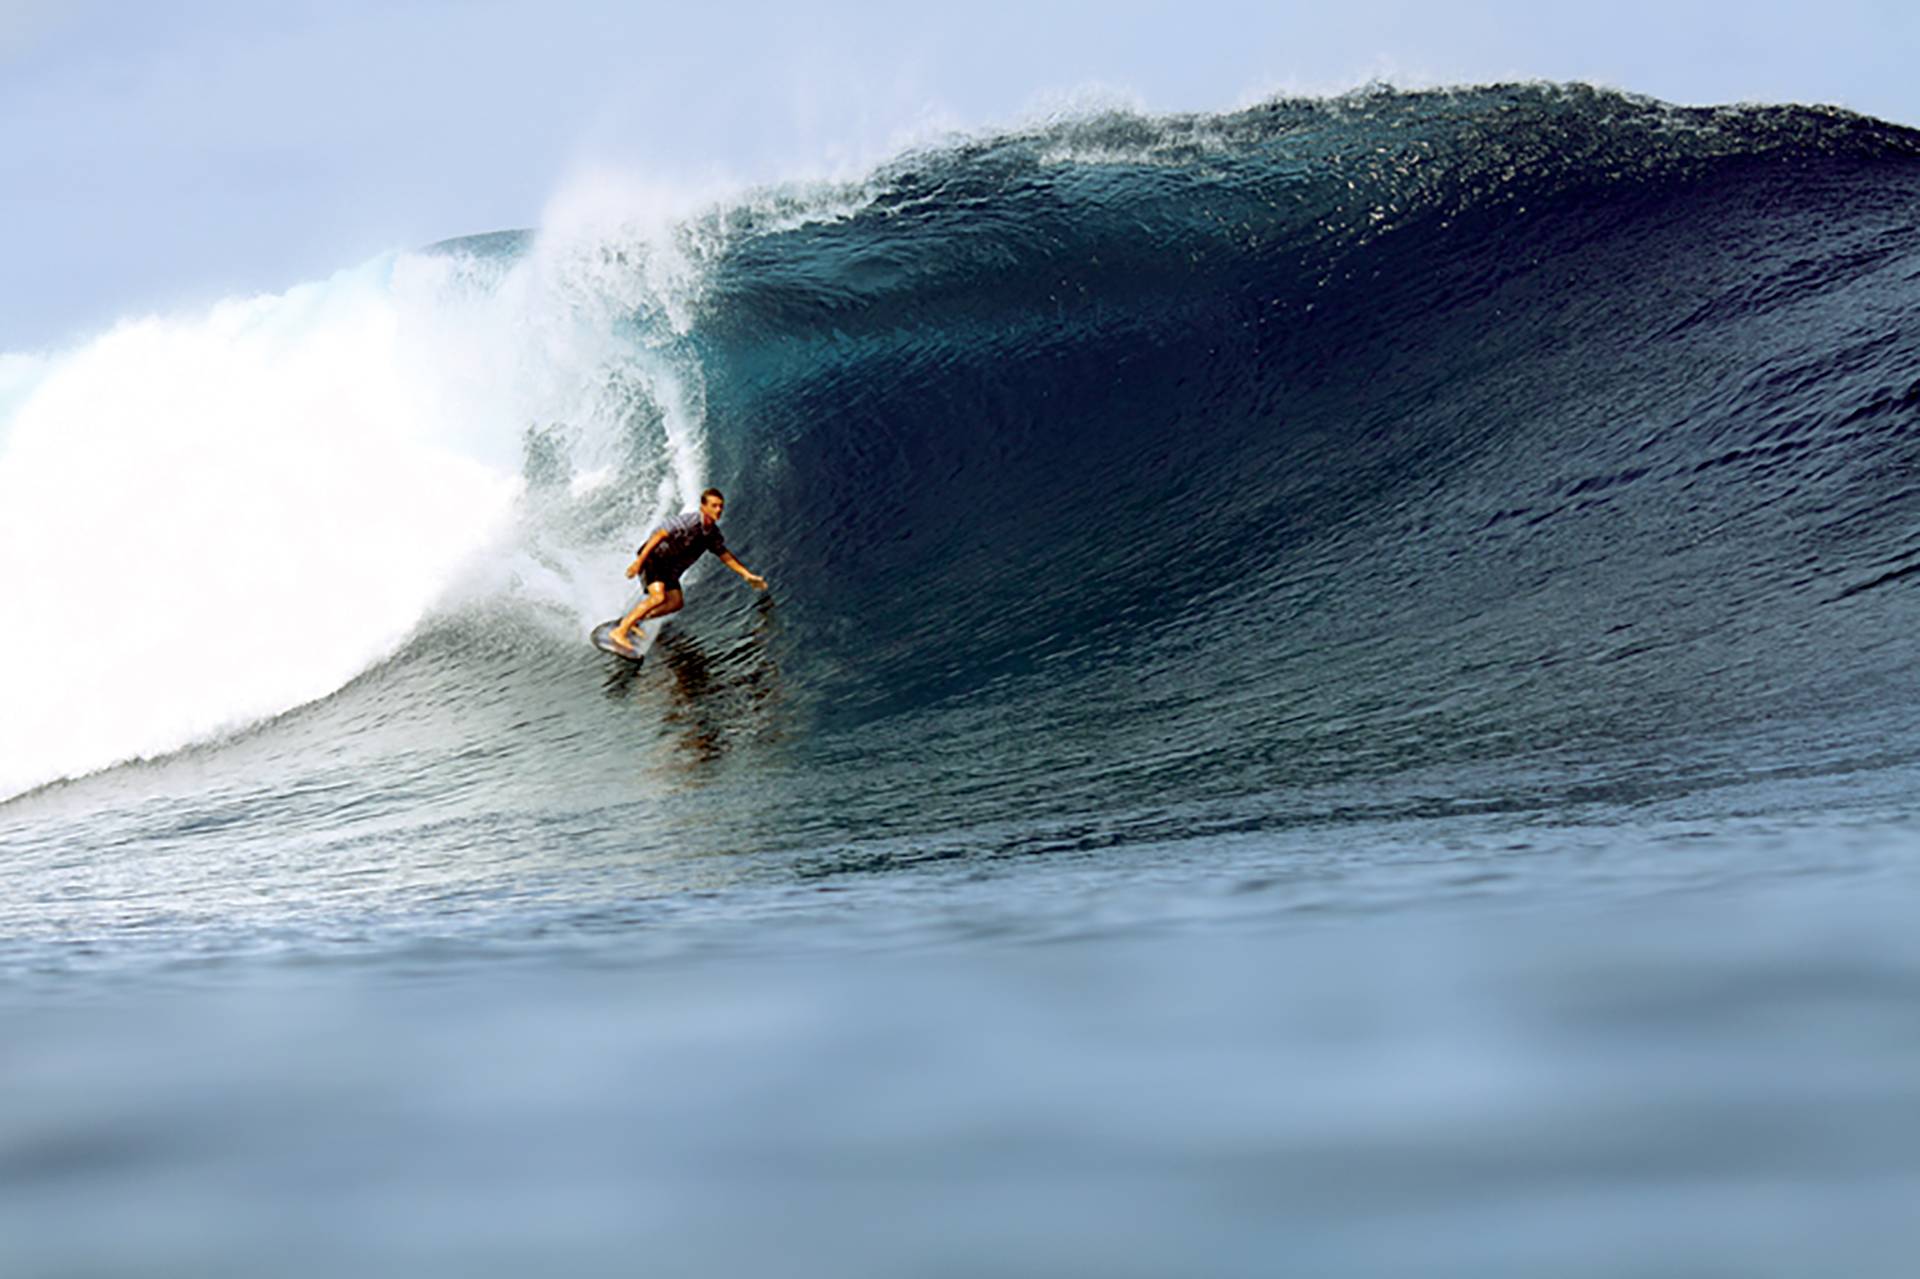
x,y
622,638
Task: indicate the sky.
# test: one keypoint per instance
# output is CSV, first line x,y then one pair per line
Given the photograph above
x,y
159,157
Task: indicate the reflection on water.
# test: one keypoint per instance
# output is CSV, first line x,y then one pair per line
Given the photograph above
x,y
720,691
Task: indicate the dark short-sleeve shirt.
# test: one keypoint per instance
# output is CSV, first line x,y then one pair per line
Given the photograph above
x,y
688,537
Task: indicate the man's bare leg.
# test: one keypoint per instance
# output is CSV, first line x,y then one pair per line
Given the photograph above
x,y
659,602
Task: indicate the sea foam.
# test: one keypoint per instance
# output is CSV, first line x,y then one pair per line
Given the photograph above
x,y
209,519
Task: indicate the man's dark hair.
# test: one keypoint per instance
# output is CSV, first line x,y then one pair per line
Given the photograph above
x,y
713,493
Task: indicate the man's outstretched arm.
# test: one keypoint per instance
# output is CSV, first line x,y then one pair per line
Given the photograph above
x,y
754,580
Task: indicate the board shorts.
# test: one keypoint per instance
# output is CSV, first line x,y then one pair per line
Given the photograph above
x,y
648,577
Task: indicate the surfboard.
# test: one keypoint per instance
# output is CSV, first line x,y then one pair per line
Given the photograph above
x,y
603,640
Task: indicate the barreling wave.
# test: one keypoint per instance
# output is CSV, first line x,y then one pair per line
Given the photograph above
x,y
1391,430
1307,442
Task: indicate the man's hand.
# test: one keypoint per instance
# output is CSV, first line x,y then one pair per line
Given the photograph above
x,y
756,581
633,569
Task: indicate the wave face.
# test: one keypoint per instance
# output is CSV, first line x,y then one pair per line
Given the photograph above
x,y
1110,461
1327,440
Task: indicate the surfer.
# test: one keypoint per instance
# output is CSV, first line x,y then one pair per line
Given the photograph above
x,y
671,550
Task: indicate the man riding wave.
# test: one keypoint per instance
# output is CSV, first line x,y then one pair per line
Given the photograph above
x,y
672,550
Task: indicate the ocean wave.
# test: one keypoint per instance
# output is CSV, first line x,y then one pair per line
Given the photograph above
x,y
1320,437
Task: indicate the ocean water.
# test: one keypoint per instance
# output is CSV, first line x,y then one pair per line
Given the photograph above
x,y
1338,697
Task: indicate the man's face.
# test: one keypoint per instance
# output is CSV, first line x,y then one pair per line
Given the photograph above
x,y
710,508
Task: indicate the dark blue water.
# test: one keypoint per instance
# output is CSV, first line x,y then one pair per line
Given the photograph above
x,y
1338,698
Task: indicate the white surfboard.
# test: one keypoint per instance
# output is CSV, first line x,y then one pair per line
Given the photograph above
x,y
604,641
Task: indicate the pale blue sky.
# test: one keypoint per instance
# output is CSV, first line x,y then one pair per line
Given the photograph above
x,y
155,156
